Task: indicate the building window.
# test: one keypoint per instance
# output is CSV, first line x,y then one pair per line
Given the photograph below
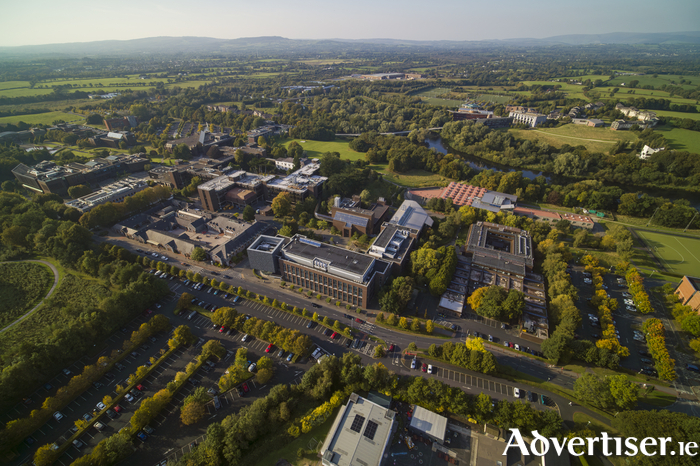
x,y
360,293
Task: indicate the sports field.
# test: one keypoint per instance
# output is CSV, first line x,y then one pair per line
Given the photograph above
x,y
678,254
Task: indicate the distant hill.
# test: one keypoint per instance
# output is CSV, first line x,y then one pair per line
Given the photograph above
x,y
273,44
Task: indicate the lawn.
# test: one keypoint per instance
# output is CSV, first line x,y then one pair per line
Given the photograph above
x,y
316,149
594,139
681,139
416,179
24,92
41,118
679,254
677,115
22,286
13,84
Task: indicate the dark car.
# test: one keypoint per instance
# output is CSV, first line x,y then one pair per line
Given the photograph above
x,y
48,386
311,324
109,375
111,414
315,305
142,436
240,391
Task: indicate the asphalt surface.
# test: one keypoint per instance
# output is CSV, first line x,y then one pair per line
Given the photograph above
x,y
172,438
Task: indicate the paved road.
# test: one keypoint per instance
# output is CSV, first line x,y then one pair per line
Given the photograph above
x,y
53,287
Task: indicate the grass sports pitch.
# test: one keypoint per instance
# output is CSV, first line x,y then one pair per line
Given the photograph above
x,y
678,254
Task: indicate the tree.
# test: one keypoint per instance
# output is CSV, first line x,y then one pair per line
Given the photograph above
x,y
429,326
282,205
415,325
513,305
474,300
184,301
77,191
491,303
198,254
379,352
403,323
192,413
45,456
182,335
412,347
264,375
248,213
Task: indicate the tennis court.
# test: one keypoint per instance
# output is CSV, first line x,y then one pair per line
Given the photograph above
x,y
678,254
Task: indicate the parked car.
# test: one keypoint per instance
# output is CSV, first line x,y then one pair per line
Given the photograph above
x,y
269,348
430,368
516,392
142,436
413,363
99,426
78,444
111,414
253,367
290,357
58,416
149,430
424,367
100,406
129,398
118,409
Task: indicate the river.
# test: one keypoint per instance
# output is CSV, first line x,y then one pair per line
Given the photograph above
x,y
481,164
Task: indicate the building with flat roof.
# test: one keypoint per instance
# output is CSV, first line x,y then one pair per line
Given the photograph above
x,y
114,192
360,435
344,275
527,118
688,291
498,247
481,198
48,177
394,244
428,424
264,252
300,184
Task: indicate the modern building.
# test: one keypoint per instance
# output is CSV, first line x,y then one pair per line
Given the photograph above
x,y
648,152
394,244
481,198
503,256
498,247
360,435
688,291
343,275
115,192
349,217
527,118
428,424
300,184
117,124
264,252
592,122
48,177
411,215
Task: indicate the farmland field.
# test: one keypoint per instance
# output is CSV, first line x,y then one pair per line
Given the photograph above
x,y
430,97
41,118
678,254
22,285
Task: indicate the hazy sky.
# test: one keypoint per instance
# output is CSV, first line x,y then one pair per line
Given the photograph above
x,y
25,22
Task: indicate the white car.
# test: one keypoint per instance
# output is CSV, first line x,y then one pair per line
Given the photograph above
x,y
516,392
517,347
413,363
164,258
57,415
631,308
100,406
629,301
430,368
99,426
129,398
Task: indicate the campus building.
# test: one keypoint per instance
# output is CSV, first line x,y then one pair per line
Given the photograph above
x,y
115,192
503,256
343,275
527,118
48,177
361,434
349,217
688,291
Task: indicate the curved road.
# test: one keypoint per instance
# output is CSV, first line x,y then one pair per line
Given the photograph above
x,y
53,287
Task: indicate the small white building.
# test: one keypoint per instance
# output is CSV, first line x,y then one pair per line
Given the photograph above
x,y
528,118
647,151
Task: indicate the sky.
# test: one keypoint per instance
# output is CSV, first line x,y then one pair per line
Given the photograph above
x,y
50,21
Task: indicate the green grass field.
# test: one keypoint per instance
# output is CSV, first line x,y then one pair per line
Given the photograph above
x,y
595,139
678,115
41,118
22,285
416,179
678,254
316,149
681,139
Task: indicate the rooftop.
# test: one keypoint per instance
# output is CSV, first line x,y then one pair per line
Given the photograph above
x,y
220,183
429,422
330,259
359,435
411,214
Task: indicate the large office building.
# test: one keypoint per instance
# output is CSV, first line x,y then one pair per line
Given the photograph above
x,y
360,435
115,192
527,118
343,275
48,177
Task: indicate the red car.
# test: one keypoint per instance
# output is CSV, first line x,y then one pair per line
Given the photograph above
x,y
424,368
359,321
140,387
335,334
391,348
118,409
222,329
269,348
245,388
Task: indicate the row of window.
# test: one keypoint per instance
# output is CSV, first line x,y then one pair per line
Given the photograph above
x,y
323,284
